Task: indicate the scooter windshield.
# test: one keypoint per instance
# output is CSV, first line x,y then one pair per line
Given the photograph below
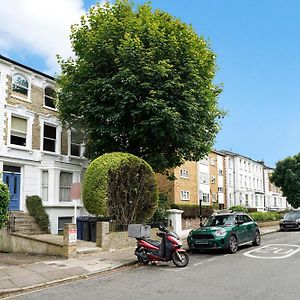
x,y
174,234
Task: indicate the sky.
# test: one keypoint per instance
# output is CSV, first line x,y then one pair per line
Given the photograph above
x,y
257,44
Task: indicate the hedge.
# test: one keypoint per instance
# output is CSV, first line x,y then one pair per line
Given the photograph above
x,y
4,202
120,185
266,216
36,209
193,210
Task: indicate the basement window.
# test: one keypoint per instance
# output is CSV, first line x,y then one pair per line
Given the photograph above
x,y
61,222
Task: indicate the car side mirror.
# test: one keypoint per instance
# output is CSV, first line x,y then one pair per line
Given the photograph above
x,y
239,222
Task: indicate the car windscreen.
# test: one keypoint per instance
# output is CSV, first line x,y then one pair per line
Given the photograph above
x,y
222,220
292,216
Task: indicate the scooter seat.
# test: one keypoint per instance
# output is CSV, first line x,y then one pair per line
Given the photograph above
x,y
153,242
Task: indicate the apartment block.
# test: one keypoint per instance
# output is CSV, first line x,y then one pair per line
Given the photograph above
x,y
182,190
194,180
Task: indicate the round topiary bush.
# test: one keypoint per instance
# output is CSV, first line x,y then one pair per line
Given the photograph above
x,y
122,186
4,201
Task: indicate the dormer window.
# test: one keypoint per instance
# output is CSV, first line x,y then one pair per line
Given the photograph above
x,y
50,96
20,85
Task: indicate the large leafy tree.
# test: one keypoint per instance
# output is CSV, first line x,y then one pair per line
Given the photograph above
x,y
141,82
287,176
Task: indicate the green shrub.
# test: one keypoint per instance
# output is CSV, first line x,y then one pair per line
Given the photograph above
x,y
193,210
4,201
37,210
161,214
122,186
239,208
266,216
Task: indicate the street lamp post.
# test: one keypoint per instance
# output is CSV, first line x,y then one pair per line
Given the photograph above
x,y
200,206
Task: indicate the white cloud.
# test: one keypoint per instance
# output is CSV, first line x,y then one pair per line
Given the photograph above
x,y
39,27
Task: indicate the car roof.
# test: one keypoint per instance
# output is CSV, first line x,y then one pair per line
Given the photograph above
x,y
233,213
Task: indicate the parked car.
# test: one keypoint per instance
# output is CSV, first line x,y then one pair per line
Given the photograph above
x,y
290,221
225,231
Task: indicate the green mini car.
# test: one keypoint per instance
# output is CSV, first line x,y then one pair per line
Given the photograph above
x,y
225,231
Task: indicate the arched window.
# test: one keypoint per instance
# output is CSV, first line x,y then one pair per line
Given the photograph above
x,y
50,96
20,84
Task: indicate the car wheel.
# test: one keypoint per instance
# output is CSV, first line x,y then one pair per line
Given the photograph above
x,y
232,244
257,239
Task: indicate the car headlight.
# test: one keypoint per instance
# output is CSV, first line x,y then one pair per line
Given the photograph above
x,y
220,232
298,220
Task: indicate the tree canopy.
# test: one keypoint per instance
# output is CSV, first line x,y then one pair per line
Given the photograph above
x,y
141,82
287,176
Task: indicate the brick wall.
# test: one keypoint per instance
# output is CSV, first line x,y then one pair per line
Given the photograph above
x,y
187,184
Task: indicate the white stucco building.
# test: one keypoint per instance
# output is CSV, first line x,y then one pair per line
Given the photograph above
x,y
247,183
273,195
37,155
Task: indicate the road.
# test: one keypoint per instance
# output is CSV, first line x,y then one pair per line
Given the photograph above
x,y
270,271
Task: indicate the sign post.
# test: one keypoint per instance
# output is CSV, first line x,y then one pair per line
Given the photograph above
x,y
200,206
75,194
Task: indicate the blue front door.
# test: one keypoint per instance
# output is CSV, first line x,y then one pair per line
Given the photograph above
x,y
13,182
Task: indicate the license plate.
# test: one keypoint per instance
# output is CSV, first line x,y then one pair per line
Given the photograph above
x,y
201,242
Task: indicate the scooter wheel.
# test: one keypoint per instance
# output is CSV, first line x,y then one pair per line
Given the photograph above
x,y
142,261
180,259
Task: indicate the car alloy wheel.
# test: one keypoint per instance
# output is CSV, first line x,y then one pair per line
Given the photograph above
x,y
233,244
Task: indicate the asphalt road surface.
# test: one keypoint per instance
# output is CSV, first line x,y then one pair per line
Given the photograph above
x,y
271,271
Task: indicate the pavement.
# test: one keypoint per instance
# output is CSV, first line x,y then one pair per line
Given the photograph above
x,y
24,272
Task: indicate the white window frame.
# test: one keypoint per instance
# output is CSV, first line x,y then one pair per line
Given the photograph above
x,y
18,131
54,123
45,186
204,178
81,145
17,95
46,106
65,187
184,173
19,112
184,195
205,198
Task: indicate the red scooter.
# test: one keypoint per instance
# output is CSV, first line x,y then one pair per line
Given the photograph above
x,y
168,249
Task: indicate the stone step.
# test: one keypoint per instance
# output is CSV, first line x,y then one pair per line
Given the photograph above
x,y
29,232
23,223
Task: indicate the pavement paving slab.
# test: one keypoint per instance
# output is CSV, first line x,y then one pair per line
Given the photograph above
x,y
6,284
54,275
23,280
